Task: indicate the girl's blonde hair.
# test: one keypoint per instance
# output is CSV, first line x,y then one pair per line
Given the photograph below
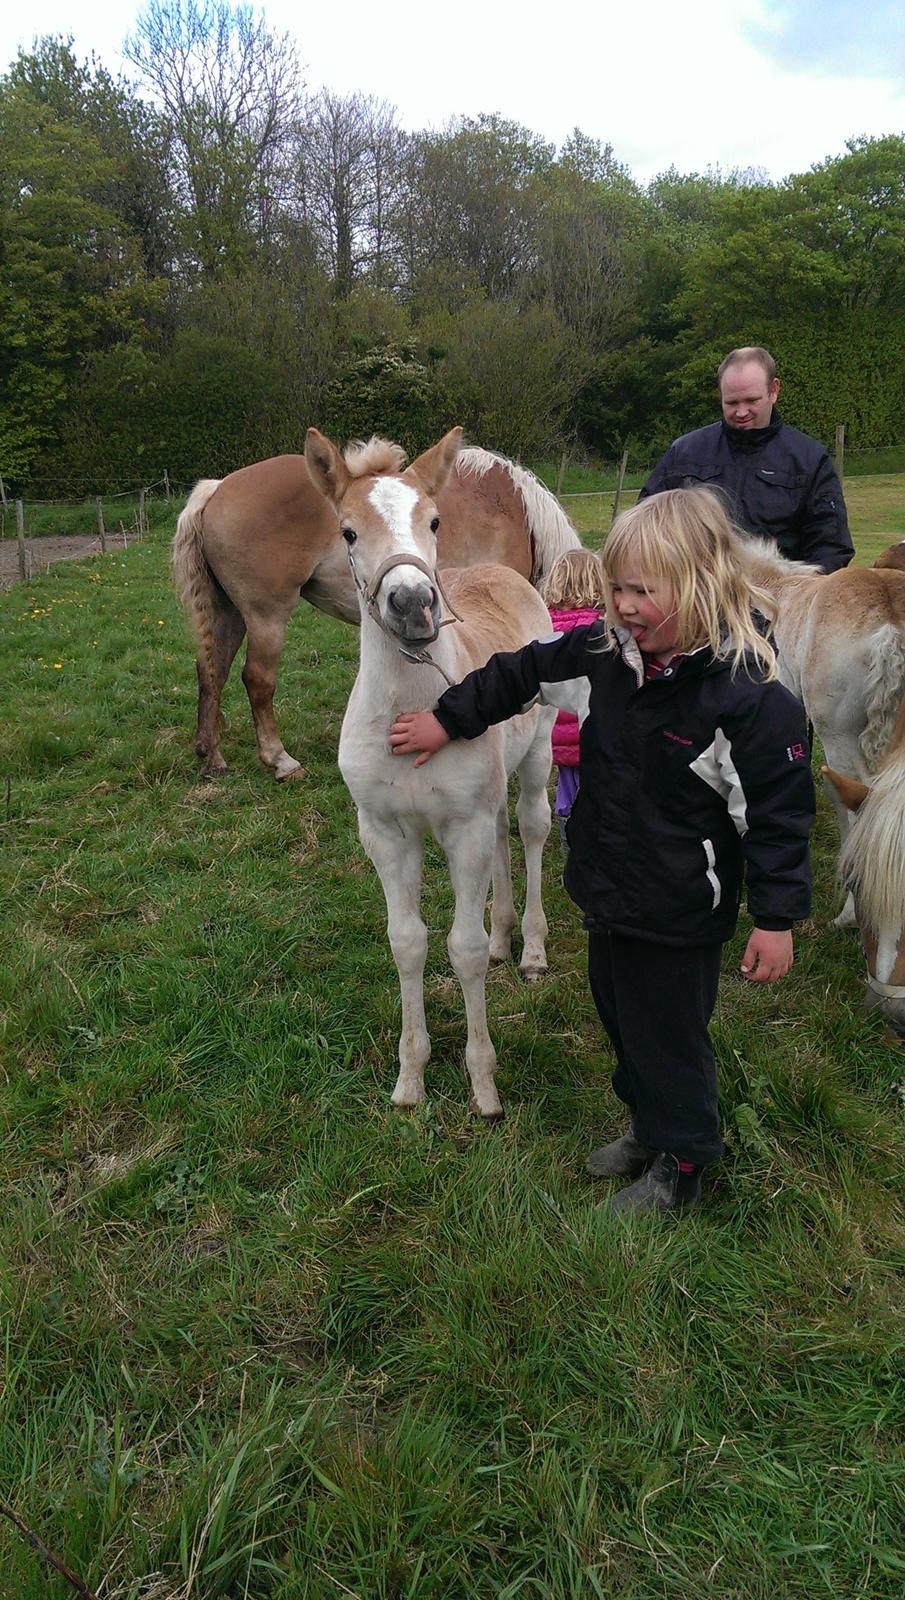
x,y
575,582
684,537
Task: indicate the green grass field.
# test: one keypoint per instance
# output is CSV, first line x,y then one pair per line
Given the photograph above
x,y
265,1339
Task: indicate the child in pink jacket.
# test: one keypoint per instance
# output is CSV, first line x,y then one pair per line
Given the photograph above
x,y
574,595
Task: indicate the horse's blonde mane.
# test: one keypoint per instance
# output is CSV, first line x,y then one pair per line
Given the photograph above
x,y
551,531
363,457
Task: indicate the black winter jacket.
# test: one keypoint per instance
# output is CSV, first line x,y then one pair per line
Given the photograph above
x,y
686,780
778,483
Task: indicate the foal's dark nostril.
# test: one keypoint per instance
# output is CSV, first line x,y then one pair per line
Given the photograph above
x,y
394,602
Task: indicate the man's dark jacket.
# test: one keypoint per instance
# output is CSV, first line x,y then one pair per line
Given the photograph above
x,y
777,483
687,781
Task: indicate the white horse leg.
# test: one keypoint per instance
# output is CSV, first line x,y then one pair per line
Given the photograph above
x,y
397,858
843,754
533,811
469,852
502,905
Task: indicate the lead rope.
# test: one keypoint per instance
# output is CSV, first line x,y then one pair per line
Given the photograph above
x,y
369,596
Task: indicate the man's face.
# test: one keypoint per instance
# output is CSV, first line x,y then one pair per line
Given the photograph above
x,y
746,396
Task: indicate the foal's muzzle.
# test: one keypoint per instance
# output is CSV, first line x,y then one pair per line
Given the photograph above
x,y
413,611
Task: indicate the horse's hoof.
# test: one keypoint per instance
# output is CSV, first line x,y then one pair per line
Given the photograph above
x,y
214,769
292,775
533,974
495,1115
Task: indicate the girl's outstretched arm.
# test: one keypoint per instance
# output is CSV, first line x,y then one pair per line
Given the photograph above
x,y
417,733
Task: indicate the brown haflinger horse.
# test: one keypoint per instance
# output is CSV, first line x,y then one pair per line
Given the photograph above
x,y
416,630
249,545
872,868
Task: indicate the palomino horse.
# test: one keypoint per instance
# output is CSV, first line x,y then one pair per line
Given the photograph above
x,y
247,546
872,867
841,644
389,523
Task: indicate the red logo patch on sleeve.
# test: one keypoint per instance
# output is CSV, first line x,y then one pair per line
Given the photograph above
x,y
795,752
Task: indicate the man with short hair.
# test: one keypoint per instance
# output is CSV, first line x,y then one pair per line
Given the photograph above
x,y
777,483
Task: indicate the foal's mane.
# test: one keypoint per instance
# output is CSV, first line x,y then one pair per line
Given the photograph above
x,y
365,457
763,561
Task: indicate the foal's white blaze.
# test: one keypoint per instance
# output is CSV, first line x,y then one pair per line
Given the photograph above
x,y
396,501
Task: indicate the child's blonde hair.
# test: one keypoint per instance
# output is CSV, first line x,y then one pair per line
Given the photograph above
x,y
575,582
685,537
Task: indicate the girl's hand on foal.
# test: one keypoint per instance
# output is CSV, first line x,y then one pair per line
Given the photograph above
x,y
768,956
417,733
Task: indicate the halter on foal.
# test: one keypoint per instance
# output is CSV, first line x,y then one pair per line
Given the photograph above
x,y
389,522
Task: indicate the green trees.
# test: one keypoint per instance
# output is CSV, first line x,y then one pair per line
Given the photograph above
x,y
198,265
80,220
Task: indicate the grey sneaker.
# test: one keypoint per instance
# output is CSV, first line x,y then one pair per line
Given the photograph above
x,y
624,1158
662,1188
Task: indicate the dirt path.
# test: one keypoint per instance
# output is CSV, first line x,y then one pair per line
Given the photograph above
x,y
41,554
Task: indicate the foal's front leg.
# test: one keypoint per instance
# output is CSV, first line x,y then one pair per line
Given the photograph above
x,y
397,858
469,851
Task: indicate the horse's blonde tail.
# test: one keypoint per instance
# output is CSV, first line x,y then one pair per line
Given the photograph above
x,y
191,573
872,860
885,687
550,530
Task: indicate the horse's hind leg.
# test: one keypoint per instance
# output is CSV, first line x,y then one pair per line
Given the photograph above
x,y
502,905
843,754
227,629
266,637
533,812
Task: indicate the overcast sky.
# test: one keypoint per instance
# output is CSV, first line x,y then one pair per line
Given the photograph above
x,y
693,85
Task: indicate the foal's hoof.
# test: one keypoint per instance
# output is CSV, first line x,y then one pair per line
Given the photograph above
x,y
494,1115
215,768
533,974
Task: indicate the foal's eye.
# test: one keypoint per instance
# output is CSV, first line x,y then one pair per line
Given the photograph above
x,y
435,523
349,535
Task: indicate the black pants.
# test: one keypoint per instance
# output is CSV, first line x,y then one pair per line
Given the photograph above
x,y
655,1002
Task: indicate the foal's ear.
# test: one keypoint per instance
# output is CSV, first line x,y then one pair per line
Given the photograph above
x,y
435,466
326,467
851,791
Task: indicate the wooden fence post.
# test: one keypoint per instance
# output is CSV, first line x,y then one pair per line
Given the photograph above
x,y
166,485
3,495
142,514
100,522
20,538
619,482
562,472
839,452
